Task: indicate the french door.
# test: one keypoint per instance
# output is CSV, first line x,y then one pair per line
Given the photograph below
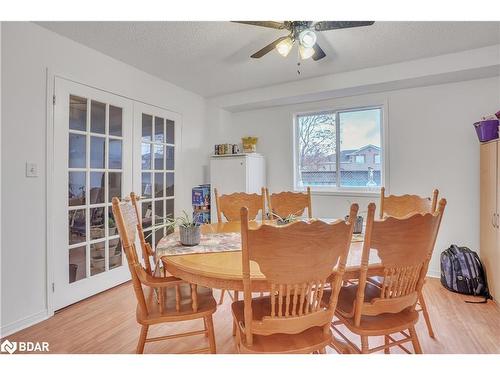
x,y
157,138
93,162
105,146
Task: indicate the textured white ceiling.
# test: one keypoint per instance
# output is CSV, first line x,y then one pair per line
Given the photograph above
x,y
212,58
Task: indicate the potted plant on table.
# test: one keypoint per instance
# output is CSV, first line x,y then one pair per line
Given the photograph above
x,y
285,220
189,228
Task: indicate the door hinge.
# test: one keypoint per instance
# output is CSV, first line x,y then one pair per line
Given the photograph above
x,y
53,287
54,99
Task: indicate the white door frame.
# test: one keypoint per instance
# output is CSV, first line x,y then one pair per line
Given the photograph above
x,y
50,183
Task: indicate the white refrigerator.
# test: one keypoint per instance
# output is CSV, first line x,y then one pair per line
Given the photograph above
x,y
242,173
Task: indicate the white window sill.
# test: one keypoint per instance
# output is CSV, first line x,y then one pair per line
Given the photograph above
x,y
344,193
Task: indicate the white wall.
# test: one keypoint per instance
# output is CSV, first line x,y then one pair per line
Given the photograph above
x,y
432,144
27,50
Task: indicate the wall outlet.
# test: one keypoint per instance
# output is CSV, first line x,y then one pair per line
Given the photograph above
x,y
31,169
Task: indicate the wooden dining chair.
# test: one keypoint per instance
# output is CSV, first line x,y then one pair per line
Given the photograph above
x,y
297,260
229,206
289,203
399,207
404,247
404,205
162,299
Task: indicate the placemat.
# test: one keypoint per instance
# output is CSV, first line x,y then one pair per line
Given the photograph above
x,y
209,243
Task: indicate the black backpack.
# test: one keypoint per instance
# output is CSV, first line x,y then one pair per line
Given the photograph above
x,y
462,272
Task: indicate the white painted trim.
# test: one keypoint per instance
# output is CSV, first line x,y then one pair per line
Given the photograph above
x,y
346,193
49,186
23,323
436,274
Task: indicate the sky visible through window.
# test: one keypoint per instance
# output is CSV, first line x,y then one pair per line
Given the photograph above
x,y
359,129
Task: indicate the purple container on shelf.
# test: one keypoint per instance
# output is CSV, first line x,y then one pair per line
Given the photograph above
x,y
486,130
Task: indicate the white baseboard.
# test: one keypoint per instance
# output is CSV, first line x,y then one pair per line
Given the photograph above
x,y
434,273
23,323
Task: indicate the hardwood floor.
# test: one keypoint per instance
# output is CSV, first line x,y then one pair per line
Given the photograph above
x,y
106,324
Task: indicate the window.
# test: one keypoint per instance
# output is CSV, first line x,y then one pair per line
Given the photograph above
x,y
339,150
360,159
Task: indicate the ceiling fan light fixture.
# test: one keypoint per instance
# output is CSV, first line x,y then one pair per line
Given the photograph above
x,y
307,38
305,52
284,47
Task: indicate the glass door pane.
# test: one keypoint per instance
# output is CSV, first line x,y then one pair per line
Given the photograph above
x,y
95,153
156,149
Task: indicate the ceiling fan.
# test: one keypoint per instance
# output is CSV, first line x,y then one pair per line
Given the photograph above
x,y
302,31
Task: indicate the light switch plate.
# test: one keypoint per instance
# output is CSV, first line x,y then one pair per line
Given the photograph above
x,y
31,170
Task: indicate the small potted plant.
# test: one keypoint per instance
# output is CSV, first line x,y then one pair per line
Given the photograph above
x,y
189,229
285,220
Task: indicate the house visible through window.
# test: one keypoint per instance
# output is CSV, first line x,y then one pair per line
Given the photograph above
x,y
339,150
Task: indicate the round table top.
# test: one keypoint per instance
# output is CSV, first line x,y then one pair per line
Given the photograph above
x,y
223,269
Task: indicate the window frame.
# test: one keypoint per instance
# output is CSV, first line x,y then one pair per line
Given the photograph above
x,y
337,189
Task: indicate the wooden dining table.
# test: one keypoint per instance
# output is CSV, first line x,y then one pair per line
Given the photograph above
x,y
219,266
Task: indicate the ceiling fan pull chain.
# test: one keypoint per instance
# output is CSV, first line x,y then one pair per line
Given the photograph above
x,y
298,62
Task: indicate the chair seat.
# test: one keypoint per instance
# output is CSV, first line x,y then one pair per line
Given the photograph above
x,y
347,296
369,325
206,305
307,341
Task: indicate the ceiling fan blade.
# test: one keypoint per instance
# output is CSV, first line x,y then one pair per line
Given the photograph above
x,y
333,25
318,52
270,24
267,48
